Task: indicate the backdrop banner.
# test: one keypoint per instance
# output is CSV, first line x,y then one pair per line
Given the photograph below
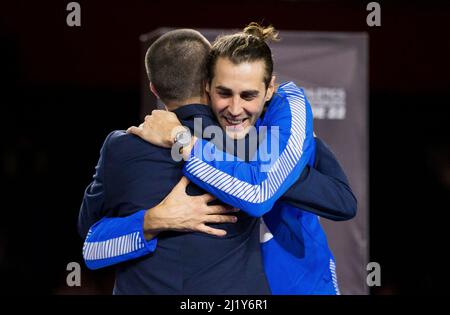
x,y
333,70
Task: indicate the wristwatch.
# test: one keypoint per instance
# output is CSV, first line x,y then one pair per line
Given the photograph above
x,y
183,137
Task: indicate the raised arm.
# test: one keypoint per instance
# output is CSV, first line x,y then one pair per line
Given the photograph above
x,y
108,240
323,188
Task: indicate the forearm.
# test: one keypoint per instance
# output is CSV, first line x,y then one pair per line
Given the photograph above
x,y
154,224
115,240
322,195
323,189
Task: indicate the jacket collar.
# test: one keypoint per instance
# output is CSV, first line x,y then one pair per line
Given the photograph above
x,y
186,112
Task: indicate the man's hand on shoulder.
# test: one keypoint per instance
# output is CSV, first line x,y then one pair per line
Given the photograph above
x,y
159,128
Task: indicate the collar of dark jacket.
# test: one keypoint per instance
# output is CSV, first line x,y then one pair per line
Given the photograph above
x,y
193,110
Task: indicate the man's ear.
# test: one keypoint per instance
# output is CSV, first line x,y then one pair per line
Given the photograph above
x,y
207,87
152,88
270,89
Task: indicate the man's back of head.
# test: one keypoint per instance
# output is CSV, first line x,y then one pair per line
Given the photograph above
x,y
176,65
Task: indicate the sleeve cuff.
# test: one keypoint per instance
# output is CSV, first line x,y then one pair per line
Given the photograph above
x,y
150,245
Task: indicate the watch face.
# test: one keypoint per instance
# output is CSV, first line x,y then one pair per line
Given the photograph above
x,y
183,137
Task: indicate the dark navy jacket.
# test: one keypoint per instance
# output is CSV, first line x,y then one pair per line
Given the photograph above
x,y
133,175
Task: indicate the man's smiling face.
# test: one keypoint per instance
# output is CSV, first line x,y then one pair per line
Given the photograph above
x,y
238,95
